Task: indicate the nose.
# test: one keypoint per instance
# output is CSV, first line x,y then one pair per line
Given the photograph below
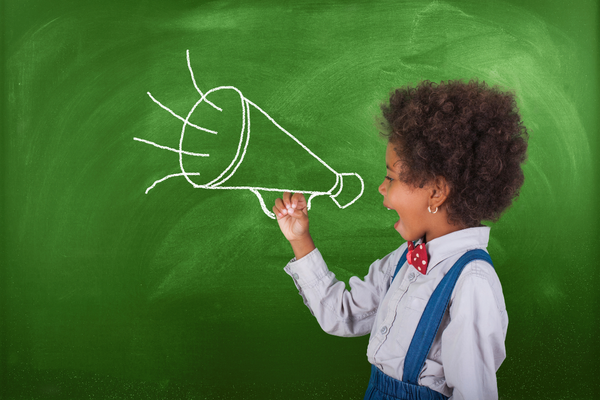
x,y
382,188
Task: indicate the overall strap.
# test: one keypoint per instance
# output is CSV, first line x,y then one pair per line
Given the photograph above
x,y
400,263
432,316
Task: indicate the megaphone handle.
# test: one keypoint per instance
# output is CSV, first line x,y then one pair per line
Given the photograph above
x,y
268,213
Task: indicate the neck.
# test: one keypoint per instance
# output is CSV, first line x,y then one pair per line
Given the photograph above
x,y
441,229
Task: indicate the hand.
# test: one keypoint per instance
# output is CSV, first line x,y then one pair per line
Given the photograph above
x,y
292,217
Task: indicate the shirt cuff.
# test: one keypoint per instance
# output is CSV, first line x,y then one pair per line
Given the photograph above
x,y
307,270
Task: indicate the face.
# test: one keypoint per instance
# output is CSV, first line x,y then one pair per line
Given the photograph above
x,y
409,202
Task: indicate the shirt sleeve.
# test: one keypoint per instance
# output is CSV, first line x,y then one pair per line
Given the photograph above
x,y
340,312
473,342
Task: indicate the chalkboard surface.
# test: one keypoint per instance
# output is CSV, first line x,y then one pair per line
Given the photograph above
x,y
138,259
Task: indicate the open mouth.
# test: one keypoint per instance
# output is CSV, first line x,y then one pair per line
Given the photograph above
x,y
397,222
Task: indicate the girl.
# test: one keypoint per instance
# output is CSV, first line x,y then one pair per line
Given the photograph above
x,y
434,307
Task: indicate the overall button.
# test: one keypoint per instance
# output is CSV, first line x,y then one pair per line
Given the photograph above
x,y
383,330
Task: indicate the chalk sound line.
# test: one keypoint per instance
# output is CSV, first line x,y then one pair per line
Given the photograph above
x,y
227,173
171,149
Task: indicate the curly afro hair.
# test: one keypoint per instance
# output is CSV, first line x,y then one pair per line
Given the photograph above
x,y
468,133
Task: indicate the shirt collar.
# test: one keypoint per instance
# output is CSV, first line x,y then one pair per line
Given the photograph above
x,y
454,243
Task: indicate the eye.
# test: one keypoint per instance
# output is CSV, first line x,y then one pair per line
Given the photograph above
x,y
389,178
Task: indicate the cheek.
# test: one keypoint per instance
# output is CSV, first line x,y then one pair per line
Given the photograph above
x,y
418,203
395,196
407,202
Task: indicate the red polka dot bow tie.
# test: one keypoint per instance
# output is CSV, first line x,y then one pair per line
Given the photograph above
x,y
417,257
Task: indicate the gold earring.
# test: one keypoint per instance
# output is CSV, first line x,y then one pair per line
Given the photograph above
x,y
429,209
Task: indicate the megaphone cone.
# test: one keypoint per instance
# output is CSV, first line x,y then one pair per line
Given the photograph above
x,y
227,142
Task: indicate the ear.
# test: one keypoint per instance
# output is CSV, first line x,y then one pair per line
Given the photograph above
x,y
439,190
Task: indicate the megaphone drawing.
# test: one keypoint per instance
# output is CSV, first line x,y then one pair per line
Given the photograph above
x,y
227,142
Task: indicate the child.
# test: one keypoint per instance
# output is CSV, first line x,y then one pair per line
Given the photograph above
x,y
434,308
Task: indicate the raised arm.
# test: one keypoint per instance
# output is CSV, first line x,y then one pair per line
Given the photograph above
x,y
292,216
339,311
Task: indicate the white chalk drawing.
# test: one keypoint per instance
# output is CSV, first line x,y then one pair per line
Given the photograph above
x,y
227,173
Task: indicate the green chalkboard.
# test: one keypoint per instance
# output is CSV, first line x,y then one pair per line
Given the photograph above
x,y
137,260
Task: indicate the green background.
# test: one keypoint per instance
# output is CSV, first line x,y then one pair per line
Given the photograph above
x,y
108,292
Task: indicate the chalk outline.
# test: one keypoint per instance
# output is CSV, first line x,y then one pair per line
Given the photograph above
x,y
239,157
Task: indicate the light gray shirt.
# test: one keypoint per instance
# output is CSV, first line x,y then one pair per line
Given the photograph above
x,y
469,346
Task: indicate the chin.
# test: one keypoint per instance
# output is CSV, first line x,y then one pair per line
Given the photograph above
x,y
402,234
408,237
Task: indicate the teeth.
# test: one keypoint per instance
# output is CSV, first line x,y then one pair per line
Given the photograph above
x,y
389,209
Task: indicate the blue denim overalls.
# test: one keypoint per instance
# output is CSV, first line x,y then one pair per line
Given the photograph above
x,y
383,387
